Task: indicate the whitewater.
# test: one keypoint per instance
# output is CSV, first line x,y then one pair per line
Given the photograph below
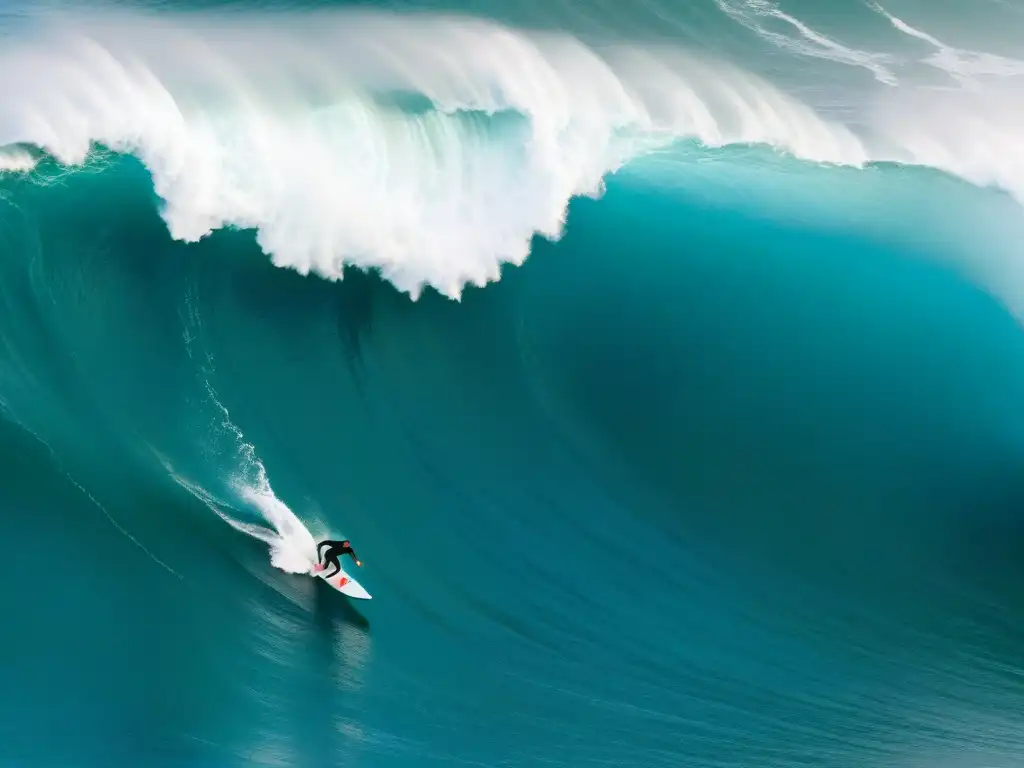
x,y
662,360
434,147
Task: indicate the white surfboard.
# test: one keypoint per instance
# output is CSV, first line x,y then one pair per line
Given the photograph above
x,y
344,583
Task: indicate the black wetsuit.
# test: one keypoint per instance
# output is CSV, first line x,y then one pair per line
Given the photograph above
x,y
335,549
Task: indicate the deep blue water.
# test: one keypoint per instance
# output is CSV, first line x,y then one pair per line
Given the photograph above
x,y
723,469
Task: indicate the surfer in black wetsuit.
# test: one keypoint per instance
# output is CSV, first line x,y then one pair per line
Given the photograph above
x,y
335,549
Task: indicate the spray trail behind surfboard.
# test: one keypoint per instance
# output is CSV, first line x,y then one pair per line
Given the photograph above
x,y
292,546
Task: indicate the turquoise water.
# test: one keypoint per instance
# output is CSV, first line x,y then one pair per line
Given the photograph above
x,y
721,470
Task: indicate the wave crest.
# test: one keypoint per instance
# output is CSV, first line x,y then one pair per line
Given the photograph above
x,y
300,127
431,148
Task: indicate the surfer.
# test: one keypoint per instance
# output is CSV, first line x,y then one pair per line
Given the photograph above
x,y
335,549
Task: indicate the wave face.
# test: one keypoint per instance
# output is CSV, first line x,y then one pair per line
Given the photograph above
x,y
663,364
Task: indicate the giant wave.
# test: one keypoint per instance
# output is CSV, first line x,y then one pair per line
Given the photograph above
x,y
725,473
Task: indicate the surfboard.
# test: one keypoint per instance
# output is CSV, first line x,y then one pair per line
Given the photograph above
x,y
345,584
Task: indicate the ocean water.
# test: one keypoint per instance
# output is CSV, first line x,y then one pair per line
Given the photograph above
x,y
663,361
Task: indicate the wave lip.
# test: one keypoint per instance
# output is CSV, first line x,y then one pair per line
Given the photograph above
x,y
434,148
289,126
16,159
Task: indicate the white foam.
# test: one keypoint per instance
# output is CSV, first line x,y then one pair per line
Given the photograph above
x,y
754,14
292,546
964,65
277,124
293,549
974,128
282,123
16,160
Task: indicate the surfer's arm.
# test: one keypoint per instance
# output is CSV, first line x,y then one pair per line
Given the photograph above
x,y
352,553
